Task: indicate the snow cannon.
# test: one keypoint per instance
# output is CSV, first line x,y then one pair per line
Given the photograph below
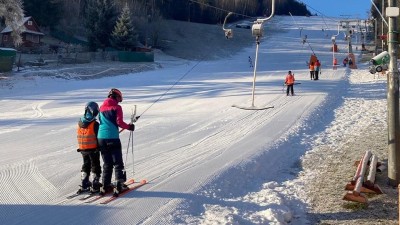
x,y
382,58
379,62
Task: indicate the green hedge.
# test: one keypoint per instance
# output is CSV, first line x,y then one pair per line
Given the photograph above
x,y
126,56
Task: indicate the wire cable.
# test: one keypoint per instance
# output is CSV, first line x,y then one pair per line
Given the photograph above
x,y
169,89
221,9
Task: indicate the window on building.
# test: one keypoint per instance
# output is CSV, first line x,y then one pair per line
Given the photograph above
x,y
30,23
32,38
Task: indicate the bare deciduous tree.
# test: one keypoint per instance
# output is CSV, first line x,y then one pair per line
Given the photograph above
x,y
11,11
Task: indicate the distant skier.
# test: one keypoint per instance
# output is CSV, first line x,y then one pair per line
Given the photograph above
x,y
251,62
304,39
350,62
88,146
289,82
317,68
111,117
312,68
345,61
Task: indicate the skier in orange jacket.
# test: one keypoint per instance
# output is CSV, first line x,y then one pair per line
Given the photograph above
x,y
289,81
312,68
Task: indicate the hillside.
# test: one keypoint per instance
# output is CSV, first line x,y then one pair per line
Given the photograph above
x,y
185,40
198,41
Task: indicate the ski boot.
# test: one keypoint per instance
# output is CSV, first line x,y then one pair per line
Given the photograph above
x,y
105,189
96,185
120,187
85,183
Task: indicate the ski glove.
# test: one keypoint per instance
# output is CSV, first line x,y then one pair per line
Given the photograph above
x,y
131,127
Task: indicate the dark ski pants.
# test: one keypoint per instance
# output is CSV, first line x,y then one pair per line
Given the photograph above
x,y
91,162
289,87
111,152
316,73
312,75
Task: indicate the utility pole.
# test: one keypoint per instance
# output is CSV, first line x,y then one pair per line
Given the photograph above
x,y
382,37
376,35
392,11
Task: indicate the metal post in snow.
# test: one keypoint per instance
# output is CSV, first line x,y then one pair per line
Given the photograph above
x,y
393,98
254,73
257,30
376,35
333,44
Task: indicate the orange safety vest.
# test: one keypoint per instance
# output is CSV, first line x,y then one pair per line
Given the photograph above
x,y
87,139
289,79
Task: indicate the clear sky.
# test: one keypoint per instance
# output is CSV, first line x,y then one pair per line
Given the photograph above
x,y
337,8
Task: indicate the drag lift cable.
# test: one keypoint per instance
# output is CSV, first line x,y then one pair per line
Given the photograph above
x,y
228,32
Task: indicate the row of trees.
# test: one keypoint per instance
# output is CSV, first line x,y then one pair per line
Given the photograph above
x,y
48,12
208,11
97,19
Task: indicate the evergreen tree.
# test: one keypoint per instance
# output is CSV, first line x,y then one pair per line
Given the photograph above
x,y
124,36
46,13
100,21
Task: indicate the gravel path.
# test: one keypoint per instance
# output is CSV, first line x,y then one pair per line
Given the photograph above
x,y
330,166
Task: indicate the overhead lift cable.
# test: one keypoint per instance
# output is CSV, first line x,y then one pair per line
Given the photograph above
x,y
183,76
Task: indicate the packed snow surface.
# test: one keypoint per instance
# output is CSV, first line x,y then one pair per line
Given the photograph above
x,y
206,162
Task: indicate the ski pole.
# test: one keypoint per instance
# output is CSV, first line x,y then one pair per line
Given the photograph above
x,y
133,158
127,149
130,140
133,119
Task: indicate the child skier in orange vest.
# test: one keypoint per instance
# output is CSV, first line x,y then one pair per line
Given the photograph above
x,y
87,131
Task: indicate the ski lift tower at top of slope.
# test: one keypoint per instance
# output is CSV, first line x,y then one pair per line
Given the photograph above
x,y
257,30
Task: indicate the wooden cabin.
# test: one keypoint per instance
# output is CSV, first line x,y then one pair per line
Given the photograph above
x,y
31,35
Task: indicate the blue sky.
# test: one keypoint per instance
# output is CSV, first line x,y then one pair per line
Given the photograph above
x,y
337,8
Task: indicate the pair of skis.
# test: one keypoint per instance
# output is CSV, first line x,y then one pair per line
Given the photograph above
x,y
124,192
94,197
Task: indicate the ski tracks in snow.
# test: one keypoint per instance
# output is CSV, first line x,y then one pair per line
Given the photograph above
x,y
28,112
18,181
176,161
229,128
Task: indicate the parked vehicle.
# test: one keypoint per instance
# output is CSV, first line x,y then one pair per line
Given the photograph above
x,y
245,25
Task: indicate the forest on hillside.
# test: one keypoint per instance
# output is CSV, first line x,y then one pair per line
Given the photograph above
x,y
68,18
51,13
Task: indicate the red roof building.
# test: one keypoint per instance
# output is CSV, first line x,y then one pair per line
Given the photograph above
x,y
30,35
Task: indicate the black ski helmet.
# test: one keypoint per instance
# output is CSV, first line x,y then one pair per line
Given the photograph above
x,y
91,110
116,94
